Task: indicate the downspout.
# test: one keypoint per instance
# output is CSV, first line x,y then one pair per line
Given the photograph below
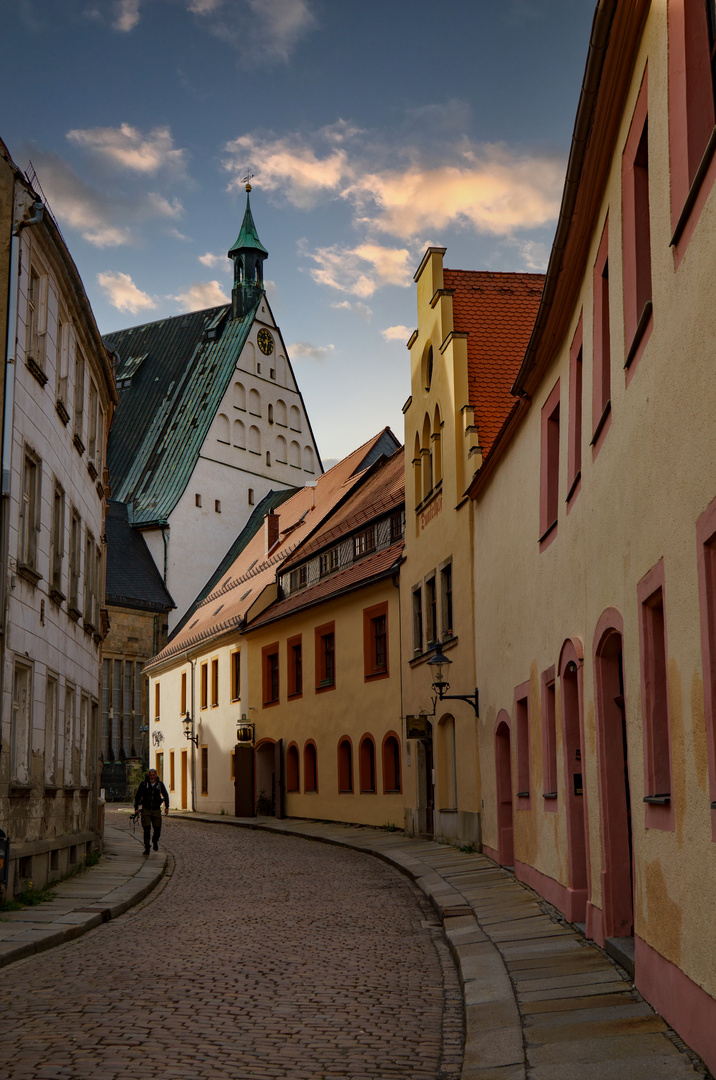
x,y
8,410
166,552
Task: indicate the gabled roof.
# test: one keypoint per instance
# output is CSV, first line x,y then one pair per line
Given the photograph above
x,y
248,236
497,311
133,580
177,382
381,492
225,608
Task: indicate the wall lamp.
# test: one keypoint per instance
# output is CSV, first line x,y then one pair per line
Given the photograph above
x,y
441,685
188,725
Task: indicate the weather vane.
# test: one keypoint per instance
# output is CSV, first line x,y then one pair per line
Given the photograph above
x,y
248,178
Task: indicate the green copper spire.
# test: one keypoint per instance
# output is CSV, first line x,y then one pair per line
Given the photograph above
x,y
248,254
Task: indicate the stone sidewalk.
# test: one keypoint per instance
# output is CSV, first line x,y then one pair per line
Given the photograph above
x,y
541,1002
121,879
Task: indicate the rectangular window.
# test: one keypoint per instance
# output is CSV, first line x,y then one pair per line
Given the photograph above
x,y
269,658
325,657
446,600
57,541
235,675
183,708
36,325
70,740
636,226
51,732
549,468
397,527
655,700
431,610
75,559
171,770
159,764
418,619
522,728
574,442
294,661
214,683
92,418
328,561
205,770
156,701
79,398
204,686
29,511
84,740
364,542
91,612
549,741
375,642
21,723
601,346
299,578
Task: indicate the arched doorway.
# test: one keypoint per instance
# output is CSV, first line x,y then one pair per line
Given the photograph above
x,y
503,768
269,778
570,670
615,792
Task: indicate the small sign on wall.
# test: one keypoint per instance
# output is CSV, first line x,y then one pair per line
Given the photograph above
x,y
417,726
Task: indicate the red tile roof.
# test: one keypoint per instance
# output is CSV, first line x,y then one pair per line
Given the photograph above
x,y
364,571
497,311
381,493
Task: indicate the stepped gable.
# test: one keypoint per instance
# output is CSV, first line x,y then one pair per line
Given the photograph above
x,y
382,492
498,312
132,576
300,515
171,376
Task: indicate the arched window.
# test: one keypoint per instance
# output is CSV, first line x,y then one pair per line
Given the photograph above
x,y
254,403
268,457
426,454
254,440
310,767
294,455
281,450
345,766
270,414
239,435
280,413
239,396
367,765
437,447
222,428
294,419
417,471
391,764
307,459
292,777
427,366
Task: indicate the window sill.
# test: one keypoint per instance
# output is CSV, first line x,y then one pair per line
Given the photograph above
x,y
62,412
78,444
18,789
423,657
295,697
323,687
573,487
549,794
88,627
641,326
35,370
523,794
57,595
92,470
28,573
548,531
694,189
74,613
600,423
657,800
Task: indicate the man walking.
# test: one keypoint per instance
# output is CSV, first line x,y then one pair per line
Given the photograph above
x,y
150,795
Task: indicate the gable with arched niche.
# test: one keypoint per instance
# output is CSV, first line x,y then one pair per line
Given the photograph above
x,y
254,403
222,428
254,440
281,450
281,413
427,456
294,455
239,396
239,438
307,459
294,419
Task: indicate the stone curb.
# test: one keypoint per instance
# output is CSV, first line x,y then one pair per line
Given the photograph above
x,y
72,923
494,1048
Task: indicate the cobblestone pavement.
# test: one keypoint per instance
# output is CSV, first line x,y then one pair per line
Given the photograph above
x,y
261,957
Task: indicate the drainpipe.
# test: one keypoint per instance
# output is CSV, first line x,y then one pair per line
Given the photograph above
x,y
166,552
8,409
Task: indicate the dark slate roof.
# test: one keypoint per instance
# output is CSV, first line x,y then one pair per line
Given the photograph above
x,y
177,382
255,522
132,577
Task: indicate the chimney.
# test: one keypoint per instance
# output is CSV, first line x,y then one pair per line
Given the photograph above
x,y
271,531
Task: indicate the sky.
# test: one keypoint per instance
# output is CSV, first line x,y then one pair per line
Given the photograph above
x,y
373,128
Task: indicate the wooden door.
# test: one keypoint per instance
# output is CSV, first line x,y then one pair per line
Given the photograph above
x,y
183,780
244,781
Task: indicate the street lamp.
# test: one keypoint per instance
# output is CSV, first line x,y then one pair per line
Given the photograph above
x,y
188,725
441,685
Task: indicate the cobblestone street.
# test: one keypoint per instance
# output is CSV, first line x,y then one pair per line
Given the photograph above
x,y
260,956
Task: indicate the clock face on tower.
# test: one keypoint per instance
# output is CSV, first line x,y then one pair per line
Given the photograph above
x,y
265,341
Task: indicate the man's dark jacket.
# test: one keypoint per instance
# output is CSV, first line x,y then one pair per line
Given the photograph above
x,y
151,796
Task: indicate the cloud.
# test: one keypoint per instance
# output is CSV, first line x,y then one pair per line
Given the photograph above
x,y
126,15
310,352
77,205
396,333
162,207
362,269
122,293
534,255
487,187
127,148
258,30
202,294
210,260
358,307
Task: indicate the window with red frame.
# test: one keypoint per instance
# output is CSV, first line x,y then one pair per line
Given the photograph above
x,y
295,666
522,726
292,778
270,674
367,765
549,470
310,768
601,345
655,693
345,766
574,442
549,740
636,232
375,641
391,764
325,657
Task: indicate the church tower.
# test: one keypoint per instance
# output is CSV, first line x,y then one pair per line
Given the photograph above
x,y
248,254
